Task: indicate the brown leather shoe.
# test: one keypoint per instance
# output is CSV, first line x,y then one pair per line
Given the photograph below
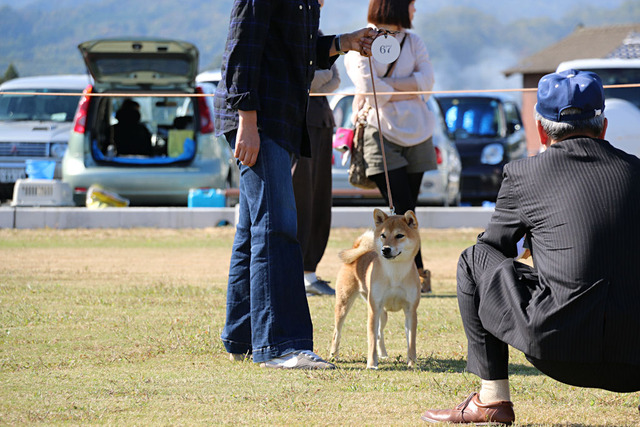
x,y
473,411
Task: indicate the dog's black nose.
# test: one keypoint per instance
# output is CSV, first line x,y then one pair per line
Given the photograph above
x,y
386,251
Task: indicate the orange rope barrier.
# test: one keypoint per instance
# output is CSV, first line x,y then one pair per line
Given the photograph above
x,y
199,95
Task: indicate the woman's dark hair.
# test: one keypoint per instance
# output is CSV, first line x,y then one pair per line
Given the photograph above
x,y
390,12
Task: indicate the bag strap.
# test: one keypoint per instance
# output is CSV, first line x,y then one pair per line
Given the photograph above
x,y
375,98
390,67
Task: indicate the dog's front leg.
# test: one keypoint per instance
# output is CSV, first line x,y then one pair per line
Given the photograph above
x,y
382,349
372,327
411,328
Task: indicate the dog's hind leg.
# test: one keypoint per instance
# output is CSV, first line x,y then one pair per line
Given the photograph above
x,y
382,349
411,327
344,302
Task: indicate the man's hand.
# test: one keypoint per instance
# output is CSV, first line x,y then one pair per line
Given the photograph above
x,y
360,41
248,139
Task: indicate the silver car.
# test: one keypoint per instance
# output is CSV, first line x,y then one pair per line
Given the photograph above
x,y
141,130
36,115
440,187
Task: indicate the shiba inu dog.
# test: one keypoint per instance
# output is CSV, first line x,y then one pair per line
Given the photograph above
x,y
381,268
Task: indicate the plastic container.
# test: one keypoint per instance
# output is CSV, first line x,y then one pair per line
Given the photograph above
x,y
40,169
206,198
41,192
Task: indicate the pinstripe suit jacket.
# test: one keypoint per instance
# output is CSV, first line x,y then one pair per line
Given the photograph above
x,y
579,205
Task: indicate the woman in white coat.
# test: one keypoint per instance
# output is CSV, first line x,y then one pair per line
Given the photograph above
x,y
406,122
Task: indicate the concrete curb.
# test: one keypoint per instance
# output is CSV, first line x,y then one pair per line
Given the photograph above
x,y
7,217
63,218
162,217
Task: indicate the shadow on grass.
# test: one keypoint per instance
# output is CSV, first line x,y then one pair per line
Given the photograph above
x,y
459,366
452,366
438,296
564,425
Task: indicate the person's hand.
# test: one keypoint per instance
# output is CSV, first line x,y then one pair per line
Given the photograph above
x,y
360,40
247,139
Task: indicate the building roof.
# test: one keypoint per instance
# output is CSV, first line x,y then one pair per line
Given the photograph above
x,y
616,41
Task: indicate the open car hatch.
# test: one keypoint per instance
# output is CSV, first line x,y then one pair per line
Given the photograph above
x,y
141,62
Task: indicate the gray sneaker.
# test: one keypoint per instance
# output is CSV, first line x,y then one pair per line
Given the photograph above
x,y
299,359
319,287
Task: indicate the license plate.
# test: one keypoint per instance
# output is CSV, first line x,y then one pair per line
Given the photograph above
x,y
11,174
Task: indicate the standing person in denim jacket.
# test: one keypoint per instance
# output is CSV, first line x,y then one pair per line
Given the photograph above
x,y
271,54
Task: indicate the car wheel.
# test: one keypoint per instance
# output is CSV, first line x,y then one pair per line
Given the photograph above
x,y
457,200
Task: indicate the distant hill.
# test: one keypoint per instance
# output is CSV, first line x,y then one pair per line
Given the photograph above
x,y
504,10
470,43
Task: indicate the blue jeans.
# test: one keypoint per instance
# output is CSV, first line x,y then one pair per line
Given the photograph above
x,y
267,310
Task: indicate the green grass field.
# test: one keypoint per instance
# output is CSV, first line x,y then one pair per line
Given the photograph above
x,y
122,327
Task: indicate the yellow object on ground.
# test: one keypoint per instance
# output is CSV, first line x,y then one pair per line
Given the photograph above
x,y
98,197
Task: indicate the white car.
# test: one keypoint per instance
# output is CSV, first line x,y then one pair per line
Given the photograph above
x,y
208,81
34,125
622,105
440,187
209,76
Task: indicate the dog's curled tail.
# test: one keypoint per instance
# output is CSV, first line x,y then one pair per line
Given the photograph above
x,y
361,246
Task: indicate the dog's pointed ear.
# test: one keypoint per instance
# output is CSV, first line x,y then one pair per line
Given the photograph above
x,y
411,219
379,217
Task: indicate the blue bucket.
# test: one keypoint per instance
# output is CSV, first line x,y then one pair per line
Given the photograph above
x,y
206,198
40,169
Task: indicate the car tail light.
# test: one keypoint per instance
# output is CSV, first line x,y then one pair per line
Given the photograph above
x,y
206,125
438,155
80,119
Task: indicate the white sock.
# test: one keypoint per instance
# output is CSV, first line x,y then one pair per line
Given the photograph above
x,y
309,278
494,391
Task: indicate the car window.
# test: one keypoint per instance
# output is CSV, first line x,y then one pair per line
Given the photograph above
x,y
470,117
145,128
511,113
56,108
117,66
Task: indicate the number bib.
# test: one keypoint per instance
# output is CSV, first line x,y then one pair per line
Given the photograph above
x,y
385,49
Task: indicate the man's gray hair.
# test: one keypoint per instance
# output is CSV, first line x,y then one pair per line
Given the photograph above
x,y
559,130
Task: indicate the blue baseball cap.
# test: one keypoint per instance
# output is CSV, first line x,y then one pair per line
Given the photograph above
x,y
570,89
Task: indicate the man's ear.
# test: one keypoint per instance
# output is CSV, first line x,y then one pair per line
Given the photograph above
x,y
604,128
544,138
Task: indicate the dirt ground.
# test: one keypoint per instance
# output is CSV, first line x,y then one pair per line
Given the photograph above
x,y
195,256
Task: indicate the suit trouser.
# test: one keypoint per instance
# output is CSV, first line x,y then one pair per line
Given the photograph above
x,y
488,356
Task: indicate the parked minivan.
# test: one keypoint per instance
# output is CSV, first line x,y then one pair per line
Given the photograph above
x,y
143,130
487,129
36,115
